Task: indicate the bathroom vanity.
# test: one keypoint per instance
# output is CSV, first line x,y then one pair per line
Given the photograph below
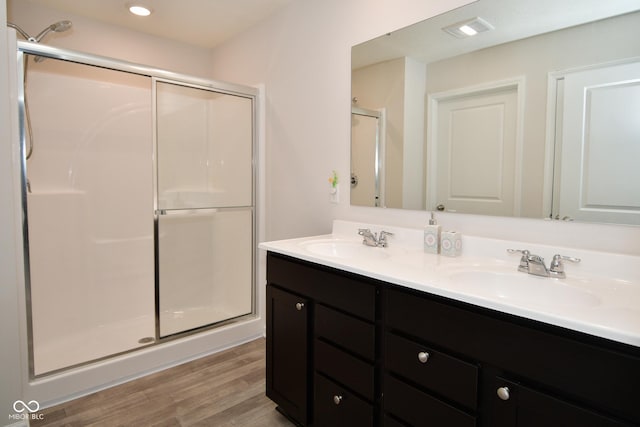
x,y
346,347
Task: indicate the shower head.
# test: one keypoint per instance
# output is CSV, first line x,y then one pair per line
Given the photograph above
x,y
57,27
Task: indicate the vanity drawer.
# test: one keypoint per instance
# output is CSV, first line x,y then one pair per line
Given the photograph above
x,y
335,406
344,368
341,290
429,320
420,409
345,331
440,373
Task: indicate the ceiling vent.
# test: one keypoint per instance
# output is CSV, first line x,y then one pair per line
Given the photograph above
x,y
468,28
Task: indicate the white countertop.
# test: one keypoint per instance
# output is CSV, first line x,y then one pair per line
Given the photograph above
x,y
600,296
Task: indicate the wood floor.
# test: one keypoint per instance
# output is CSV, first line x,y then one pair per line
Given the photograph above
x,y
224,389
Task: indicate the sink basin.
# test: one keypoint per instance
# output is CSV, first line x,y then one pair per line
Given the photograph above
x,y
344,249
519,287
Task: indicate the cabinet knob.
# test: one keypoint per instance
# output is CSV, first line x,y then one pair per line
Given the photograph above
x,y
299,306
503,393
423,356
337,399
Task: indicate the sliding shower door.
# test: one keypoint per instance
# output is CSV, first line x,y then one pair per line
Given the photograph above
x,y
89,202
205,206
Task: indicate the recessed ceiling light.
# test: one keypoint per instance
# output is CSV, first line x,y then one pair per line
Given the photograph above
x,y
139,10
468,28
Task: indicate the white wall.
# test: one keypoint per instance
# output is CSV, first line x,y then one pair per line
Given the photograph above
x,y
414,156
302,55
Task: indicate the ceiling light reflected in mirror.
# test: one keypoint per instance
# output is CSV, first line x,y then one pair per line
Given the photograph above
x,y
468,28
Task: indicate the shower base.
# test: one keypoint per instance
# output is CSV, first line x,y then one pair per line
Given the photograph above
x,y
90,345
177,321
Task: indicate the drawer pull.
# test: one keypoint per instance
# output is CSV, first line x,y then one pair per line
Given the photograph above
x,y
299,306
337,399
503,393
423,356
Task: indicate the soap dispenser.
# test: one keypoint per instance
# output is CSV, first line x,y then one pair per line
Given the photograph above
x,y
432,236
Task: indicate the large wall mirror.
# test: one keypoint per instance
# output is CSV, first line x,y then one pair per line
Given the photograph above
x,y
527,108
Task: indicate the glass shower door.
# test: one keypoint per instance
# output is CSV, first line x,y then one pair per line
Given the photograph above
x,y
205,207
90,232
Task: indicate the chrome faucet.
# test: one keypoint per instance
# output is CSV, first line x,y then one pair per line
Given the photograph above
x,y
534,264
369,238
372,239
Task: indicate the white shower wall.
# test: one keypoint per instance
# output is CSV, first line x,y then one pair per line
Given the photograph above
x,y
89,213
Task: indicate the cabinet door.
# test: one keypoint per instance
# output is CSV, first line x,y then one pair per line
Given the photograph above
x,y
288,319
515,405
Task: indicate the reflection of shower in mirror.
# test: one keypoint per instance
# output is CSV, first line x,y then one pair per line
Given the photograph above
x,y
367,154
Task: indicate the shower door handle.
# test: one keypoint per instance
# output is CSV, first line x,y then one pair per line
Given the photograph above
x,y
186,212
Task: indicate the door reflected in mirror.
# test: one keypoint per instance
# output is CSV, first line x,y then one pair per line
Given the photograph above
x,y
534,117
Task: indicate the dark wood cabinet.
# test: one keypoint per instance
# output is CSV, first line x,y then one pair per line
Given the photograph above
x,y
288,351
529,373
368,353
335,382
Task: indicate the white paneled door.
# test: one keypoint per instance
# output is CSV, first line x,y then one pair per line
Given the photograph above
x,y
474,148
600,177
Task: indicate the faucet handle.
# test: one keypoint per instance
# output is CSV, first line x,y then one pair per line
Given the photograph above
x,y
524,259
558,257
556,269
382,239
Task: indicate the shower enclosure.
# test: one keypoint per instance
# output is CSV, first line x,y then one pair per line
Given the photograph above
x,y
139,199
367,156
